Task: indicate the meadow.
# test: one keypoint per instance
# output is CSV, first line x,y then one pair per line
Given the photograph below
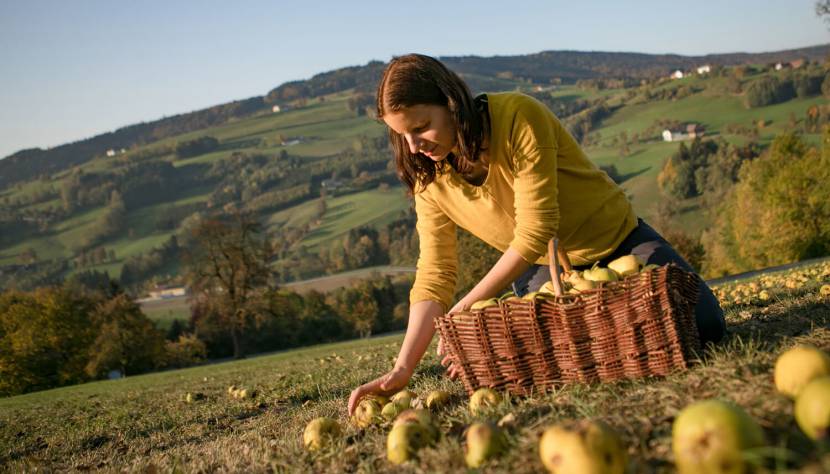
x,y
143,423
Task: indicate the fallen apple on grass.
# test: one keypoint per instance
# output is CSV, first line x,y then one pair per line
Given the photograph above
x,y
712,436
319,432
797,366
484,441
812,409
484,398
582,447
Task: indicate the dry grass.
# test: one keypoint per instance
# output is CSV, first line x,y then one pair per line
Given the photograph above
x,y
143,424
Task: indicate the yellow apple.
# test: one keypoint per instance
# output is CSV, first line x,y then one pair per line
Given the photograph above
x,y
484,441
711,436
812,408
367,413
404,441
797,366
585,446
319,432
484,398
626,265
437,399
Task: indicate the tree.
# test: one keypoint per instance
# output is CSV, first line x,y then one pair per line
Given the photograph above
x,y
229,274
127,340
778,212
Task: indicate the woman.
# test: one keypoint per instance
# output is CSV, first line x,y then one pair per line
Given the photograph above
x,y
502,167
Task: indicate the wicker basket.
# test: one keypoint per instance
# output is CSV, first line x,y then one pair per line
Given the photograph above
x,y
643,325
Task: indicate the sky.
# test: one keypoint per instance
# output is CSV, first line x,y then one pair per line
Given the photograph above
x,y
72,70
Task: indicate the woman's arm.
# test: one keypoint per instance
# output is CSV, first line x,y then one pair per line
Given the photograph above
x,y
419,332
510,266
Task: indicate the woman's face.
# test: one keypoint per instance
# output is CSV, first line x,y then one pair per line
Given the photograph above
x,y
427,129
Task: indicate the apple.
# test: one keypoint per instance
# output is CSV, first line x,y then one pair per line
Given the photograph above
x,y
367,413
437,399
547,288
824,291
404,441
231,389
421,417
797,366
484,304
649,267
391,410
403,399
192,397
626,265
711,436
484,441
319,432
597,273
531,296
812,408
584,285
585,446
483,398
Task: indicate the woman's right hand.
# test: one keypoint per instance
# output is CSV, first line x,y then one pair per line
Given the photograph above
x,y
385,385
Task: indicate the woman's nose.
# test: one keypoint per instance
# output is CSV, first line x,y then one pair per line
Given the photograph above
x,y
414,144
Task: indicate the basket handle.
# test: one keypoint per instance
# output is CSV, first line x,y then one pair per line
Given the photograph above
x,y
557,255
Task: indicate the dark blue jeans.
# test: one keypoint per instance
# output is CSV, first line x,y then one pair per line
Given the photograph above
x,y
647,244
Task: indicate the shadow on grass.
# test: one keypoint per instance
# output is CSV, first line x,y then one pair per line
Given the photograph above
x,y
625,177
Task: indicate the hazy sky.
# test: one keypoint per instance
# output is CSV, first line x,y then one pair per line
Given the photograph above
x,y
71,70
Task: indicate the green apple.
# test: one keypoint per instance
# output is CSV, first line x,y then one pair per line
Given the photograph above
x,y
483,398
484,441
711,436
797,366
403,399
367,413
484,304
597,273
404,441
626,265
391,410
585,446
649,267
812,409
584,285
421,417
319,432
437,399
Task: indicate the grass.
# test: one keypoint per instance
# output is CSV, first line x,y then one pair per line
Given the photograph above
x,y
141,423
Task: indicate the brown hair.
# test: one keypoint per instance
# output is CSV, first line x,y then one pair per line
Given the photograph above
x,y
416,79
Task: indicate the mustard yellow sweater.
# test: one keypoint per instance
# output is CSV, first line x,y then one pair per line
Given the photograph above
x,y
539,184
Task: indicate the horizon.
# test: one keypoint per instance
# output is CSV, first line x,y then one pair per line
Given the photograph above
x,y
81,60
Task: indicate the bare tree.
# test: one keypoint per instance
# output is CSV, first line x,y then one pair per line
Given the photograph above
x,y
229,273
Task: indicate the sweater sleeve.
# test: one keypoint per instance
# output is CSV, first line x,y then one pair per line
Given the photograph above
x,y
435,276
534,150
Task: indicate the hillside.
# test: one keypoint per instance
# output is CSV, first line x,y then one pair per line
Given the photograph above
x,y
134,210
143,423
491,73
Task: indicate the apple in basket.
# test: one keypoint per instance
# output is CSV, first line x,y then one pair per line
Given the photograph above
x,y
626,265
484,304
583,446
597,273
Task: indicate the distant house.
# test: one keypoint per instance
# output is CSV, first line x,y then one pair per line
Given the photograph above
x,y
275,109
677,74
113,151
780,66
797,63
687,132
331,184
165,291
291,141
705,69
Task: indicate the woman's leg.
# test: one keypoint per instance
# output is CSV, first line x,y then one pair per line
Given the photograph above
x,y
650,246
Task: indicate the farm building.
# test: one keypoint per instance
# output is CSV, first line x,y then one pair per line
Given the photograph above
x,y
687,132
